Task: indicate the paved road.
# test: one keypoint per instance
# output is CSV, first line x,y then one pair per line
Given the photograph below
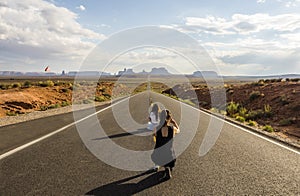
x,y
239,162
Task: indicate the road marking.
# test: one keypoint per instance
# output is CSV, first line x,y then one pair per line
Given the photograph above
x,y
244,129
59,130
78,121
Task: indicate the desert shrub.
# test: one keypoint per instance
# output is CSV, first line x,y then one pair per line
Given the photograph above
x,y
214,110
287,79
47,83
101,90
64,90
187,101
254,95
243,112
259,83
295,79
267,110
27,84
87,101
284,100
285,122
268,128
44,108
203,103
9,86
50,83
240,119
11,113
64,104
255,114
3,86
172,96
273,80
232,108
252,123
223,112
106,95
100,98
16,85
59,83
53,106
267,81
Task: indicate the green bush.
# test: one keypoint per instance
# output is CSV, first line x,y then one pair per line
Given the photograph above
x,y
252,123
254,95
187,101
47,83
295,79
64,90
243,112
100,98
255,114
240,119
27,84
214,110
232,109
259,83
268,128
64,104
53,106
44,108
285,122
16,85
11,113
2,86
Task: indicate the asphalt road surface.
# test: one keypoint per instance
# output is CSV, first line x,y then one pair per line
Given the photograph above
x,y
239,163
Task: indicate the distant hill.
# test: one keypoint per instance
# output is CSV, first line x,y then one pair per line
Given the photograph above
x,y
161,71
283,76
206,74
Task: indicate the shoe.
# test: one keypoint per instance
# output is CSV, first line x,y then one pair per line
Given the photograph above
x,y
168,173
156,168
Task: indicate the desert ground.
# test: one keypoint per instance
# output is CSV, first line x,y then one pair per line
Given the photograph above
x,y
272,105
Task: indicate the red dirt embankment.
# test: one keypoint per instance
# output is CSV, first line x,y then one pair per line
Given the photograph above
x,y
20,100
281,99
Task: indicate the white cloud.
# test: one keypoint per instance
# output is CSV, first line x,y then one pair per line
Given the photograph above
x,y
290,3
242,24
250,44
40,30
261,1
81,7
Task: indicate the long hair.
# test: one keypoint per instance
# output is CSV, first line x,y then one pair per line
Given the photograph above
x,y
164,117
155,110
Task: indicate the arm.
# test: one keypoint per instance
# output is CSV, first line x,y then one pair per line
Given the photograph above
x,y
176,127
174,123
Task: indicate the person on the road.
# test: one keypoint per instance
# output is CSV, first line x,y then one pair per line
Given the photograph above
x,y
153,117
163,153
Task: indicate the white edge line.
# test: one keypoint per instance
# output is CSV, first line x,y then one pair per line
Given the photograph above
x,y
73,123
11,152
248,131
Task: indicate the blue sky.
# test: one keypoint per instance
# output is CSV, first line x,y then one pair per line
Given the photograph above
x,y
250,37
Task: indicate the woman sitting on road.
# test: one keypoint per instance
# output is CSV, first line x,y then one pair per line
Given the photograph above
x,y
153,117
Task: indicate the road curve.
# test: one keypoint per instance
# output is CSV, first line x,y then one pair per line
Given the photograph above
x,y
238,163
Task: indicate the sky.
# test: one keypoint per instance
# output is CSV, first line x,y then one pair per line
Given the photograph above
x,y
242,37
